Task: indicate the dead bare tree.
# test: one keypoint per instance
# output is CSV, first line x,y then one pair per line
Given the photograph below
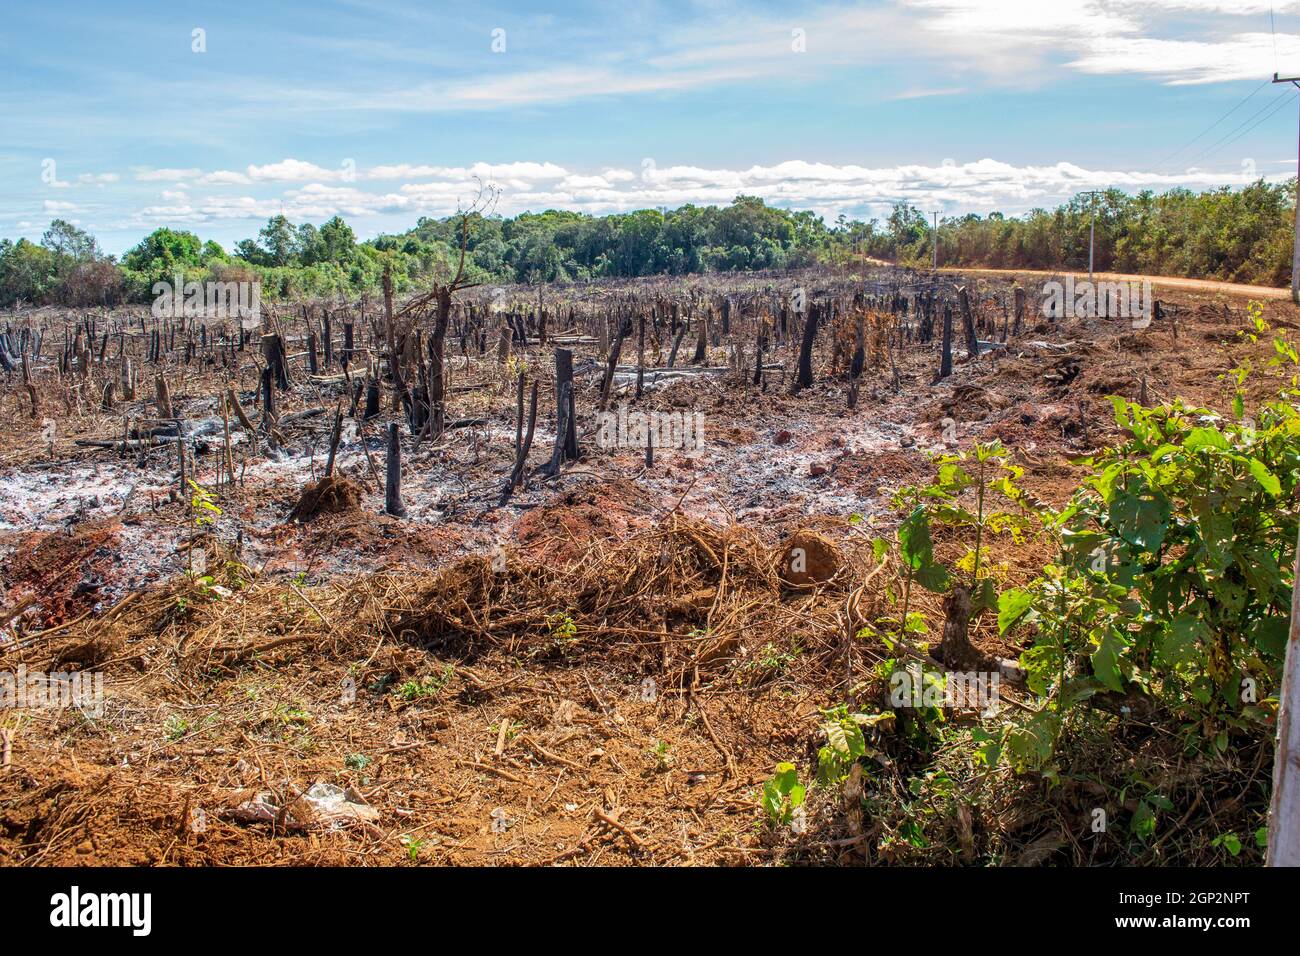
x,y
438,299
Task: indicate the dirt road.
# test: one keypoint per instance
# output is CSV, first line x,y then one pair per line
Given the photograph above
x,y
1169,282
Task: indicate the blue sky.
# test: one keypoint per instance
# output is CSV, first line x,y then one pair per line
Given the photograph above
x,y
122,118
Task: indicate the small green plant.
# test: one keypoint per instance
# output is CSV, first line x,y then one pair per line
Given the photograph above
x,y
783,795
661,754
427,687
771,660
203,505
176,727
204,512
561,627
1228,841
288,715
413,847
845,742
356,761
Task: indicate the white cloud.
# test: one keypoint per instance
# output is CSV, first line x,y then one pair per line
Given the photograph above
x,y
165,175
1239,7
1097,38
981,186
293,170
224,177
1190,61
53,205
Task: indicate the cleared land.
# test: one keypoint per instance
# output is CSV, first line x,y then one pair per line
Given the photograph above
x,y
606,668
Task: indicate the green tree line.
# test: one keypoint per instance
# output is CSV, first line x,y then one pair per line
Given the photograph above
x,y
1241,235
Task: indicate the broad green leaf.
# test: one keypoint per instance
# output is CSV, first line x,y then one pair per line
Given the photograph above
x,y
914,539
1182,640
1199,439
1267,480
1141,517
1012,605
1105,661
985,596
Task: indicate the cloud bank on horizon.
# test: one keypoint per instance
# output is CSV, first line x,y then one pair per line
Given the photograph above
x,y
383,111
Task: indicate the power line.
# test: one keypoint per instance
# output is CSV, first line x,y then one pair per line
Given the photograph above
x,y
1272,108
1159,166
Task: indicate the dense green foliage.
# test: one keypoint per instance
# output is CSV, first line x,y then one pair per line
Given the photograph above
x,y
1238,235
1241,235
1161,615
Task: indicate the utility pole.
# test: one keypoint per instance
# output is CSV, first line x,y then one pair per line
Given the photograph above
x,y
935,250
1295,249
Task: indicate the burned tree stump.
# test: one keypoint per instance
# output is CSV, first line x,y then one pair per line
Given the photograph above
x,y
677,341
968,322
805,377
335,435
163,397
955,650
563,378
273,352
564,416
701,344
945,361
1018,309
522,445
393,477
640,357
607,383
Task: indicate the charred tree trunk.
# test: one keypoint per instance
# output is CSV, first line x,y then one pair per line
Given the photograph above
x,y
163,397
945,361
607,385
681,331
968,322
372,397
335,435
702,344
524,445
805,378
640,357
955,650
437,346
393,479
563,382
562,425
